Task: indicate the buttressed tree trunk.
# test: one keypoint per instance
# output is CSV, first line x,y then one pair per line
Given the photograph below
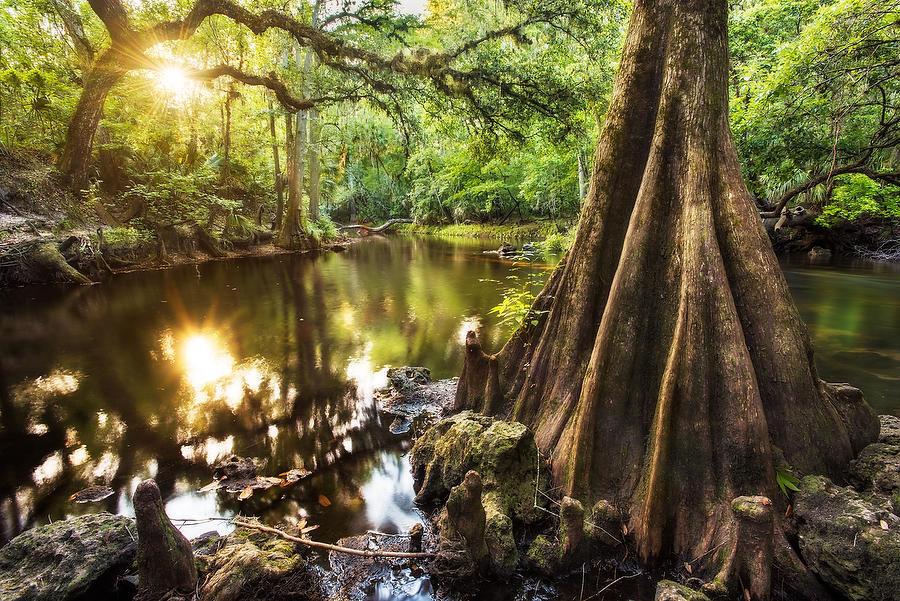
x,y
670,370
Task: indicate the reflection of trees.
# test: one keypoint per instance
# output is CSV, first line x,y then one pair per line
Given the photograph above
x,y
401,300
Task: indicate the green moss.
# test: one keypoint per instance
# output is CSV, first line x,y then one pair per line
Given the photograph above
x,y
543,555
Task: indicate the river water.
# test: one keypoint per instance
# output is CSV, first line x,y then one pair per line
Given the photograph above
x,y
163,374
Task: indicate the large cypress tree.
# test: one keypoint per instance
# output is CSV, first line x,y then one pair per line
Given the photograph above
x,y
669,371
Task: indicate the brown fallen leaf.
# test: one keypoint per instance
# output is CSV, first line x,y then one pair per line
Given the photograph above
x,y
747,594
92,494
323,501
246,493
790,510
688,567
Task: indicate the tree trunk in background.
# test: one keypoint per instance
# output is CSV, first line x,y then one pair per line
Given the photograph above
x,y
279,187
669,366
75,161
315,129
230,95
290,234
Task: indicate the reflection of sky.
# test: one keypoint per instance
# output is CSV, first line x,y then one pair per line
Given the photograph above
x,y
388,495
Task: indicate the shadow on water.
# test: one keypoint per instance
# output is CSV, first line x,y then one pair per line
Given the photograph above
x,y
164,374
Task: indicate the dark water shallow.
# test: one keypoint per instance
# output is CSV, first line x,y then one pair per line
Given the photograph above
x,y
163,374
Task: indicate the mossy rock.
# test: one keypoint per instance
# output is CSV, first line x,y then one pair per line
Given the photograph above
x,y
503,453
543,555
250,565
850,543
666,590
75,558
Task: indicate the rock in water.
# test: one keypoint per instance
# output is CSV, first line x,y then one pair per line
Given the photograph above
x,y
165,559
75,558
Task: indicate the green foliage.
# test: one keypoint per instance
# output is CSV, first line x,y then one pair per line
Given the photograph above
x,y
518,296
856,196
322,229
786,480
128,236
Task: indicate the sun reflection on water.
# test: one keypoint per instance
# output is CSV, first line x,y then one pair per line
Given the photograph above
x,y
204,360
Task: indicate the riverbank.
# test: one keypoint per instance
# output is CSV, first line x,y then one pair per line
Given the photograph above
x,y
532,230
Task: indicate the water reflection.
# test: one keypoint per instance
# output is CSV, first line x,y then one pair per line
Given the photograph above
x,y
163,375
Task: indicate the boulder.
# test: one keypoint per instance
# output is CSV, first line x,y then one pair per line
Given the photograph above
x,y
76,558
850,543
249,565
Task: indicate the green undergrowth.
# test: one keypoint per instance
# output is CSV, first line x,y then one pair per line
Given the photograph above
x,y
533,230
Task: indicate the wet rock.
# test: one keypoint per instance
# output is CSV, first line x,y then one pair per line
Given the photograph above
x,y
851,544
411,393
250,565
165,559
236,468
666,590
76,558
406,379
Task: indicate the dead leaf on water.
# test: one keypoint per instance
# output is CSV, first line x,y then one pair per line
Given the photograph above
x,y
323,501
92,494
294,475
246,493
884,525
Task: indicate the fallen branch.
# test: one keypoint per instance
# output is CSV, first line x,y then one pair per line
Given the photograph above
x,y
375,230
329,547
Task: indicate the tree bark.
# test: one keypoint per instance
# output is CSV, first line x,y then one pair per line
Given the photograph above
x,y
669,366
315,128
279,187
75,160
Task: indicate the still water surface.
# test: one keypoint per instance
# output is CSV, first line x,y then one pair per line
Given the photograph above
x,y
163,374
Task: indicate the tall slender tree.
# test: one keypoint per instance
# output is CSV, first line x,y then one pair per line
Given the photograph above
x,y
664,366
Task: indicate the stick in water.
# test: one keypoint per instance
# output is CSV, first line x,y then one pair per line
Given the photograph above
x,y
318,545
